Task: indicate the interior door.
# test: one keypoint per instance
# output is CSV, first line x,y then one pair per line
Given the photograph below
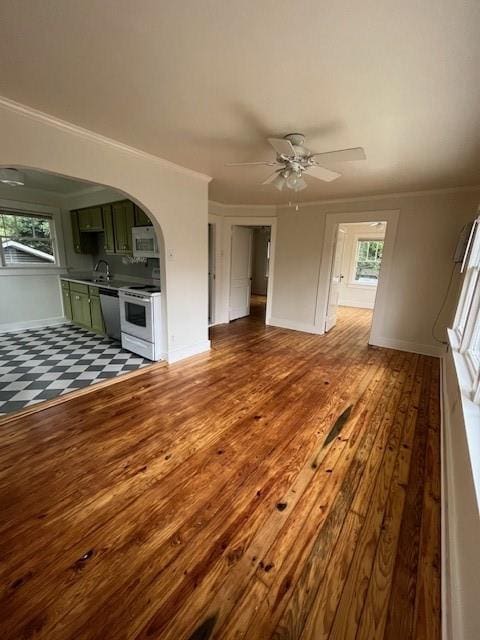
x,y
335,281
240,272
211,272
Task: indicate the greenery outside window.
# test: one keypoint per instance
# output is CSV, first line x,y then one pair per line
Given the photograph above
x,y
26,239
368,259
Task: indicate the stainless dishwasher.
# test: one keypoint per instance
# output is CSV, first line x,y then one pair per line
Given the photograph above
x,y
111,312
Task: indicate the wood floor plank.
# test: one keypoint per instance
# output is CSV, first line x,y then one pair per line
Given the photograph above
x,y
234,495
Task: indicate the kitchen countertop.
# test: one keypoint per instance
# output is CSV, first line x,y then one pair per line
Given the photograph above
x,y
111,284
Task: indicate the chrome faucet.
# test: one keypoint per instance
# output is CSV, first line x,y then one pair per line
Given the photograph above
x,y
107,270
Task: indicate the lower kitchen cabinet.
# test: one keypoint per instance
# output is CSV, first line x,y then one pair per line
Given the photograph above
x,y
81,309
82,306
67,303
96,315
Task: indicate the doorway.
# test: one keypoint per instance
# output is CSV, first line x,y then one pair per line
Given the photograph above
x,y
354,273
356,266
249,271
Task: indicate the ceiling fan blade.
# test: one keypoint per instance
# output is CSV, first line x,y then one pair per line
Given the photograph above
x,y
282,147
272,163
271,178
342,155
322,174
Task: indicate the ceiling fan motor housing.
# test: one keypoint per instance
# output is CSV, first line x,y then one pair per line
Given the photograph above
x,y
297,139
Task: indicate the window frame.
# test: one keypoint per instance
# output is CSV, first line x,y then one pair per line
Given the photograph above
x,y
56,230
466,325
357,238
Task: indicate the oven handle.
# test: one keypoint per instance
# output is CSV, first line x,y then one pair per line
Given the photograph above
x,y
126,296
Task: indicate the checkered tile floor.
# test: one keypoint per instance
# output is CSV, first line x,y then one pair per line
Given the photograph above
x,y
40,364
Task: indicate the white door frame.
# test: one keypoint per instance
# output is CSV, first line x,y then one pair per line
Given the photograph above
x,y
247,221
332,220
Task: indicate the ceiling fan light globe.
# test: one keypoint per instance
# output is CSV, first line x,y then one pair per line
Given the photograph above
x,y
279,182
292,180
300,185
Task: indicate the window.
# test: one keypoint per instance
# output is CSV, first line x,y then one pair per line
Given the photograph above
x,y
467,319
26,239
368,259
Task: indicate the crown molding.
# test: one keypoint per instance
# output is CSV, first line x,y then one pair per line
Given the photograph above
x,y
376,196
63,125
226,205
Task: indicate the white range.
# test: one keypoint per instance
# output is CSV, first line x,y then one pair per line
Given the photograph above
x,y
141,319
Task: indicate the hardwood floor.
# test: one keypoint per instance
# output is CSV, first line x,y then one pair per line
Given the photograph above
x,y
284,486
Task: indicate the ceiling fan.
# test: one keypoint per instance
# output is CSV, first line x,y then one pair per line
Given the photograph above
x,y
295,160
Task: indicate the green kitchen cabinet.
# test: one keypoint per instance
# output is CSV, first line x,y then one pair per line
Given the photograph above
x,y
67,304
123,221
82,242
90,219
96,314
141,218
81,308
108,232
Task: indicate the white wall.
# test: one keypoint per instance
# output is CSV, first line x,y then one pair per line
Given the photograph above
x,y
428,227
176,199
353,294
31,297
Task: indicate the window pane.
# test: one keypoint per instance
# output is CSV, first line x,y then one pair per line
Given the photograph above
x,y
369,257
26,239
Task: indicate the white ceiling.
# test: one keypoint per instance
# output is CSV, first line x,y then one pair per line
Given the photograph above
x,y
204,82
50,182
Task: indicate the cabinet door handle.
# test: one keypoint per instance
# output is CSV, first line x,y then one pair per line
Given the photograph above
x,y
77,297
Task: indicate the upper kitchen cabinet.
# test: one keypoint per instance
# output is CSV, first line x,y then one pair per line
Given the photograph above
x,y
141,218
108,231
82,242
123,220
90,220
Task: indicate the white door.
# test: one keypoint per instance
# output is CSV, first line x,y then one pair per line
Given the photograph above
x,y
211,273
240,272
335,281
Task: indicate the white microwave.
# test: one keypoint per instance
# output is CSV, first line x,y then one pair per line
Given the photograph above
x,y
144,242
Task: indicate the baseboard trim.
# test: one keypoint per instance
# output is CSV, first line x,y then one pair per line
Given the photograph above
x,y
294,326
180,353
14,327
411,347
358,305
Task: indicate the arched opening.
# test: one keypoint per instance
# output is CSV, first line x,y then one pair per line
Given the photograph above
x,y
82,277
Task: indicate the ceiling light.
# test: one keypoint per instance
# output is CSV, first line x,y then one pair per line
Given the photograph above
x,y
279,182
293,179
12,177
299,184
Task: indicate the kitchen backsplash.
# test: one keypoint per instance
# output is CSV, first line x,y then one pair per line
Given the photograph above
x,y
136,270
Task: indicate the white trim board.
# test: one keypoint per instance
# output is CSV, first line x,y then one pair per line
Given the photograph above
x,y
294,325
15,327
331,222
353,303
346,199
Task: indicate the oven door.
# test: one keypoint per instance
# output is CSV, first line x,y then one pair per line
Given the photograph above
x,y
136,316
